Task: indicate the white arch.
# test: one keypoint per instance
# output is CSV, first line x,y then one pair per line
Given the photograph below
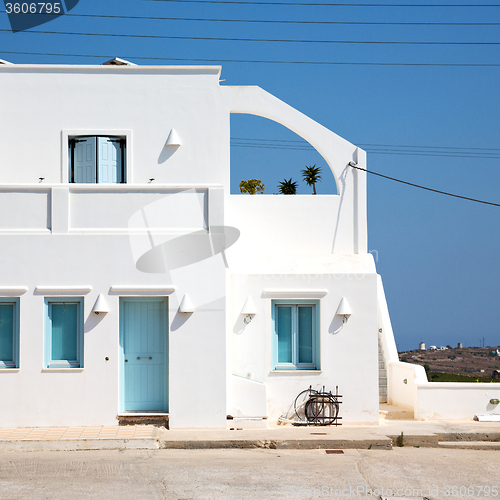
x,y
337,152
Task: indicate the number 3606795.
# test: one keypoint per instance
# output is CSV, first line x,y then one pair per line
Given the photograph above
x,y
34,8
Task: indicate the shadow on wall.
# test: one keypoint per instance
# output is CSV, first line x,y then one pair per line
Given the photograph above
x,y
180,319
166,153
92,321
336,325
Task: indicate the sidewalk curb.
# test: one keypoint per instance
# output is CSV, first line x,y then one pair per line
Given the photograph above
x,y
382,443
78,444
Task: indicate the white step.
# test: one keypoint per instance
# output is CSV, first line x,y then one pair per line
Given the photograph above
x,y
470,445
393,412
239,423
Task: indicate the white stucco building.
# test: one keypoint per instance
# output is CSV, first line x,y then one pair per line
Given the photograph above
x,y
114,199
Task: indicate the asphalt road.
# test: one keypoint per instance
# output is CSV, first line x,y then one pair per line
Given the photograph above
x,y
250,474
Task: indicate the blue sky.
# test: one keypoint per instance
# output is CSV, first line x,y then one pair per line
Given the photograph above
x,y
425,113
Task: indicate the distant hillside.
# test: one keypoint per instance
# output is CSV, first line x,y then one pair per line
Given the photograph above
x,y
460,361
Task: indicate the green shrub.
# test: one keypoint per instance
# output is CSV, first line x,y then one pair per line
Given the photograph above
x,y
451,377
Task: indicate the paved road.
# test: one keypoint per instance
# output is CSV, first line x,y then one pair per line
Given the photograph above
x,y
249,474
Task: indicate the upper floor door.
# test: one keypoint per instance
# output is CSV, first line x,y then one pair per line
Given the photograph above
x,y
97,159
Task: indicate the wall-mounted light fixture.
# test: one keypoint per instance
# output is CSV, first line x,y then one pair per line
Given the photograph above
x,y
186,306
41,179
249,310
173,139
100,306
344,310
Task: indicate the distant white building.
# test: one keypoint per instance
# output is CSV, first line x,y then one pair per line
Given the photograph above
x,y
133,281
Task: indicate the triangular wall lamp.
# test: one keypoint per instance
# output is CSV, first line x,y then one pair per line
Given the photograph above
x,y
344,310
100,306
186,306
173,139
249,310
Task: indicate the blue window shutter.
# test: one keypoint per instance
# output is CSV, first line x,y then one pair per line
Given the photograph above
x,y
296,335
305,334
85,160
284,330
7,332
109,169
64,343
64,331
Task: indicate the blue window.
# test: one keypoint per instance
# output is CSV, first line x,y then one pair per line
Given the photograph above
x,y
64,333
295,335
97,159
9,333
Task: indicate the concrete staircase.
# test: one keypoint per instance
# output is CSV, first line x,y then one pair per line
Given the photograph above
x,y
388,411
382,374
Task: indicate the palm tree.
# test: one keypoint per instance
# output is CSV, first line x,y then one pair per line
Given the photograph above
x,y
310,175
287,187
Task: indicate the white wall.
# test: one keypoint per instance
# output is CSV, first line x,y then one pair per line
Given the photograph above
x,y
348,353
300,224
33,396
402,381
128,208
148,101
55,234
386,333
407,383
454,400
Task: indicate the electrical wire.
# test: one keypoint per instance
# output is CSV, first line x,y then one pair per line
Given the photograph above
x,y
374,151
432,151
423,187
279,21
259,61
272,40
369,144
301,4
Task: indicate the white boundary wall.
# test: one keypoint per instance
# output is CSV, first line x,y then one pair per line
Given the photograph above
x,y
407,384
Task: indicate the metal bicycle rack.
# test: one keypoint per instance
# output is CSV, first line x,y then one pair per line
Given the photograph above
x,y
319,407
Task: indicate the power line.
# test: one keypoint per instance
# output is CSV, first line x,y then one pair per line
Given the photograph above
x,y
368,144
381,152
429,147
423,187
375,151
257,61
272,40
432,151
301,4
278,21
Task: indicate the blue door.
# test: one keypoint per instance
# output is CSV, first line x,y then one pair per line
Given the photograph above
x,y
109,169
85,160
144,344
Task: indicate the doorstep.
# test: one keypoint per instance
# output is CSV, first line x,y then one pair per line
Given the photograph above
x,y
158,419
